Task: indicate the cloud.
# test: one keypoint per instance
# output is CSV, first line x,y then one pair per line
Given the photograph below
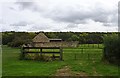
x,y
70,12
25,5
21,23
79,15
72,25
31,5
40,27
60,15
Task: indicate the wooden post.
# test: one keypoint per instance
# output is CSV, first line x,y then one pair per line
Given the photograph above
x,y
104,53
61,53
98,45
40,52
95,56
22,53
82,50
75,56
88,56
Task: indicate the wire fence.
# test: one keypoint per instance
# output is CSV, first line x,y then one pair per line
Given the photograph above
x,y
84,52
82,56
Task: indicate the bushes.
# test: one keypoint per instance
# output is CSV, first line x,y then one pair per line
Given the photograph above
x,y
112,48
36,57
18,41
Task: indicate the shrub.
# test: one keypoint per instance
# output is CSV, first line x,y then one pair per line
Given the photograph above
x,y
38,57
112,50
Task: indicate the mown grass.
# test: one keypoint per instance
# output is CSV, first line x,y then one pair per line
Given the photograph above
x,y
88,61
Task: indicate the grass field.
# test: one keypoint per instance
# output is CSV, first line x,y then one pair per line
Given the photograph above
x,y
87,60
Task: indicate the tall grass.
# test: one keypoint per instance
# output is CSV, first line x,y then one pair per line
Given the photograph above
x,y
112,48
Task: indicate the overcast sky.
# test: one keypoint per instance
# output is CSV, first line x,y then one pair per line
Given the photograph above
x,y
59,15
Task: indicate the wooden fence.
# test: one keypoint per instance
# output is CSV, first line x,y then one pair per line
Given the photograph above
x,y
25,50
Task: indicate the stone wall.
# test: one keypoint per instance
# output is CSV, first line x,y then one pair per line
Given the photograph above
x,y
57,44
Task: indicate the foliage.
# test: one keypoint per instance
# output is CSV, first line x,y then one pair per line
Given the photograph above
x,y
74,37
65,36
7,37
16,39
38,57
112,48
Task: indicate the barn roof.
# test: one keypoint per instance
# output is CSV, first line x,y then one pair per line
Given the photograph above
x,y
41,38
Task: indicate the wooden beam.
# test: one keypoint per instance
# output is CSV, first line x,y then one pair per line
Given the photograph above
x,y
43,52
41,47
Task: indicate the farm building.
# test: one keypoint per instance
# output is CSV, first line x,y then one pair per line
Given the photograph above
x,y
41,40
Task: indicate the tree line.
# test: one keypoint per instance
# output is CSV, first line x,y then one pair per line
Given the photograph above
x,y
16,39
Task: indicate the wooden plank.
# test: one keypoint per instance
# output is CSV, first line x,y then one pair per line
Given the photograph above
x,y
42,52
41,47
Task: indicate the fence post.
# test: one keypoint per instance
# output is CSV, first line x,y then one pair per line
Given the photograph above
x,y
94,57
104,53
98,45
40,52
82,50
75,56
88,56
61,53
22,53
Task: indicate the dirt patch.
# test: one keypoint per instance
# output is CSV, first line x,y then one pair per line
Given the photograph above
x,y
80,74
65,71
95,72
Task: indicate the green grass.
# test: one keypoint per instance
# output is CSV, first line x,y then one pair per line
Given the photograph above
x,y
87,61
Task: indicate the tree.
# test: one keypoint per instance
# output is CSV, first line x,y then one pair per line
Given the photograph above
x,y
112,50
51,35
74,38
7,37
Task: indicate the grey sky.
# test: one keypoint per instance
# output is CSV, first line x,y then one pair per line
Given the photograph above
x,y
59,15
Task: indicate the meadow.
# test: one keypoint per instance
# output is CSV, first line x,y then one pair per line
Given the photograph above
x,y
83,59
